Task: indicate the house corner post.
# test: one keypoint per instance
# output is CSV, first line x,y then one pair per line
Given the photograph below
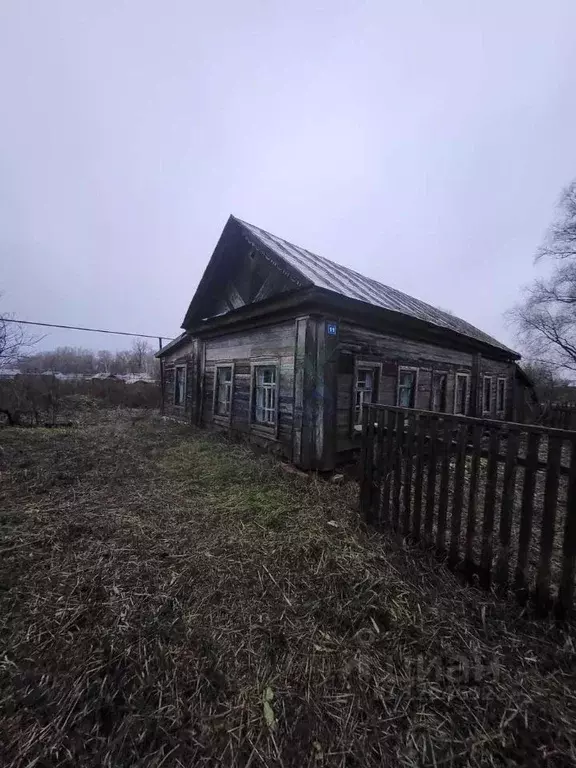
x,y
325,393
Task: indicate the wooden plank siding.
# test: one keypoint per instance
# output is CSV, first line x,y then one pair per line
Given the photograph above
x,y
356,343
274,345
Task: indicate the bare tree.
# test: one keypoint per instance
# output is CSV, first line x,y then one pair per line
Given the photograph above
x,y
140,353
546,319
546,379
13,341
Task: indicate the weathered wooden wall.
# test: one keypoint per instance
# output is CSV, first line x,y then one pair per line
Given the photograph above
x,y
356,344
316,373
268,344
186,355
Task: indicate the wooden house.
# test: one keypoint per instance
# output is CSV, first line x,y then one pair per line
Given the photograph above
x,y
286,347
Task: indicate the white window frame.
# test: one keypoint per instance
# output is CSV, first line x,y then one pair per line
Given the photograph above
x,y
432,404
268,426
501,380
376,369
177,368
462,375
225,417
490,380
407,369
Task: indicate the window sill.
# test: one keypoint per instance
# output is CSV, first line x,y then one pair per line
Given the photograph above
x,y
264,429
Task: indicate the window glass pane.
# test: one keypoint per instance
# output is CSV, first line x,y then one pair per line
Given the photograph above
x,y
223,391
487,394
179,386
363,391
439,385
406,389
461,393
501,394
265,395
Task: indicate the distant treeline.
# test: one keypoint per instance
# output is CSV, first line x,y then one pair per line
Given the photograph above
x,y
139,359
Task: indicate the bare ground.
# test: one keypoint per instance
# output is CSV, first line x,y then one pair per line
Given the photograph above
x,y
168,599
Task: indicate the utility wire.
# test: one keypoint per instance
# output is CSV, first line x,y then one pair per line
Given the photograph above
x,y
78,328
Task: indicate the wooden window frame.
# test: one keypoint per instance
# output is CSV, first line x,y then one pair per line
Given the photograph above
x,y
271,430
182,367
376,367
218,417
501,380
487,378
410,369
438,373
464,375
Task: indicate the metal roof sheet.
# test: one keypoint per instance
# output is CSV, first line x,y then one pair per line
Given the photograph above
x,y
326,274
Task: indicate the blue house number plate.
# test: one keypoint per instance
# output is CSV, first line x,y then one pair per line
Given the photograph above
x,y
332,329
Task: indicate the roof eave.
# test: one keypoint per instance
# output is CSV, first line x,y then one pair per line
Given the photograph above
x,y
173,345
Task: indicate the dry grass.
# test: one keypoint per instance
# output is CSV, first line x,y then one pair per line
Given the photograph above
x,y
168,599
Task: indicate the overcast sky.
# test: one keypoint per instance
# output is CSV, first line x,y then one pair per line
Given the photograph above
x,y
422,143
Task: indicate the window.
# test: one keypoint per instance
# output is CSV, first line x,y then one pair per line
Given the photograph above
x,y
439,387
223,401
179,384
487,394
461,393
501,396
363,391
265,394
406,388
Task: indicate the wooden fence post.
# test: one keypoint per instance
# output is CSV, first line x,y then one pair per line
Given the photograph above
x,y
526,515
417,517
489,504
411,436
458,497
366,463
446,452
566,589
508,488
431,486
548,521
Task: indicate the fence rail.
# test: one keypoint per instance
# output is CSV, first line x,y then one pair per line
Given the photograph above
x,y
498,499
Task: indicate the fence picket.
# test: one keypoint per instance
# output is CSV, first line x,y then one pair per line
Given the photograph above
x,y
397,476
388,467
472,492
489,504
423,423
508,489
548,521
380,439
566,589
458,495
408,452
526,515
446,451
431,484
365,466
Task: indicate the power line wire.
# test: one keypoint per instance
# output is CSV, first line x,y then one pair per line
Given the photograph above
x,y
78,328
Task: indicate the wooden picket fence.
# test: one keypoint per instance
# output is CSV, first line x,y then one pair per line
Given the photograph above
x,y
497,499
558,415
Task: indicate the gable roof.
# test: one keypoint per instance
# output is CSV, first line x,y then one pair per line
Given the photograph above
x,y
325,274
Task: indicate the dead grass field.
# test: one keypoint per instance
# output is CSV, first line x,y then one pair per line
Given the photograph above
x,y
170,599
